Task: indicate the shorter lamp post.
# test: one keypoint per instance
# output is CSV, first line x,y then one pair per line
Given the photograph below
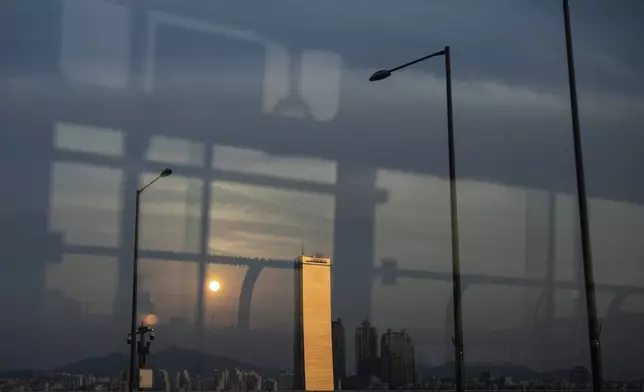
x,y
135,282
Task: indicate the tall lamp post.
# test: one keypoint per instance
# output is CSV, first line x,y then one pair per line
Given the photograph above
x,y
135,281
456,269
589,279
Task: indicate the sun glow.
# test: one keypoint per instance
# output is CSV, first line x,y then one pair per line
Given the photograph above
x,y
214,286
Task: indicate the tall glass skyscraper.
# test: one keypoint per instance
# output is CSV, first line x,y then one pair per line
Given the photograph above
x,y
313,356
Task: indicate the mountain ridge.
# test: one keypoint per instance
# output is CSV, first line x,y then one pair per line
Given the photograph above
x,y
175,359
172,359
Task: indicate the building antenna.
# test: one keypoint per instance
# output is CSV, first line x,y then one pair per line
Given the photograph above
x,y
302,248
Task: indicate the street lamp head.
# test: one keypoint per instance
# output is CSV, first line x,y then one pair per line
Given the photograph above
x,y
165,173
379,75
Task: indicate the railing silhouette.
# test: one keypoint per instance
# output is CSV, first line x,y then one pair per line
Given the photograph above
x,y
388,272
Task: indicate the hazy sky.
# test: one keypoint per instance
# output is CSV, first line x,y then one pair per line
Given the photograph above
x,y
228,66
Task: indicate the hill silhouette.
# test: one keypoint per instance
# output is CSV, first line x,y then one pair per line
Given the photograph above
x,y
509,369
173,359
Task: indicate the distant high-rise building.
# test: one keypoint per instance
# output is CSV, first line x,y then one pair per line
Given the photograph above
x,y
165,380
580,376
224,380
339,352
285,382
247,381
486,379
270,385
366,350
397,359
313,356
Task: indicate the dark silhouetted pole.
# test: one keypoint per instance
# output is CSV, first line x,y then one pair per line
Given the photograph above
x,y
589,280
133,382
135,292
456,263
453,208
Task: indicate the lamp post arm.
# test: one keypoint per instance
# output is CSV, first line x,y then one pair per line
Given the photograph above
x,y
149,183
440,53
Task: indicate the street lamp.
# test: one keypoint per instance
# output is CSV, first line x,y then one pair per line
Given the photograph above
x,y
456,269
135,280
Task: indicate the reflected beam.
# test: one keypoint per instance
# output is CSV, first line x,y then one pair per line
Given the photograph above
x,y
214,174
376,272
353,243
135,146
178,116
616,303
204,245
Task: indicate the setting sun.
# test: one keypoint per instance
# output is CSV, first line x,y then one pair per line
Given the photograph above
x,y
214,285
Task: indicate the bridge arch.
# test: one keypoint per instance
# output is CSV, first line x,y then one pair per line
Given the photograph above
x,y
616,303
246,296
